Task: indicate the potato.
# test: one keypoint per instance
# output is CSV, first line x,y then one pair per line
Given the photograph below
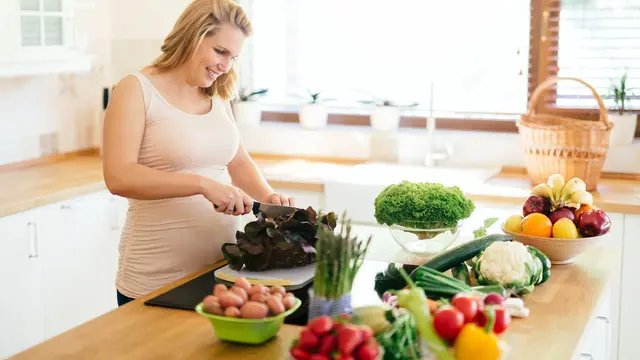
x,y
230,299
219,289
288,294
277,295
254,310
210,305
260,297
288,302
258,289
243,283
278,289
240,292
275,305
232,311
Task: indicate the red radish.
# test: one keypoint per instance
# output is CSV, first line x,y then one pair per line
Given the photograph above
x,y
321,325
243,283
368,351
349,338
448,322
240,292
299,353
344,357
308,340
328,344
493,299
219,289
467,305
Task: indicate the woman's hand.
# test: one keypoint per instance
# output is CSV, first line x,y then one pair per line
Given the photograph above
x,y
227,199
280,199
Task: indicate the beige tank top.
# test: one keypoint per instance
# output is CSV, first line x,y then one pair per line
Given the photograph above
x,y
164,240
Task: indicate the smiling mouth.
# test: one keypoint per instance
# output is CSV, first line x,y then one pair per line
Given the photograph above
x,y
213,74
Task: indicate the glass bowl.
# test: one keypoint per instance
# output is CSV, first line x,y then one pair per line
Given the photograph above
x,y
420,240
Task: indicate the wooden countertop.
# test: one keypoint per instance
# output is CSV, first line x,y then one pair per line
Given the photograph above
x,y
561,309
42,184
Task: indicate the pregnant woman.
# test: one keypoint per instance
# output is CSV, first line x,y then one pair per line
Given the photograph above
x,y
172,148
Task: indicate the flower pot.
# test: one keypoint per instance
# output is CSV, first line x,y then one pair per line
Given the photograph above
x,y
624,128
385,118
247,113
313,116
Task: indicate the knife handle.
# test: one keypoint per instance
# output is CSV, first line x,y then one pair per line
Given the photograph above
x,y
256,208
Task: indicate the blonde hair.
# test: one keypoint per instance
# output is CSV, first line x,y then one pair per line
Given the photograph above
x,y
200,19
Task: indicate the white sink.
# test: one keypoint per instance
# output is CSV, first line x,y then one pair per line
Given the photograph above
x,y
354,190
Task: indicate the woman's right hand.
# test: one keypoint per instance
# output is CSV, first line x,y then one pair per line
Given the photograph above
x,y
227,199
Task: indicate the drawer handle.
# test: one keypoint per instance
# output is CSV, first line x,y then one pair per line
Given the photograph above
x,y
586,355
608,337
33,240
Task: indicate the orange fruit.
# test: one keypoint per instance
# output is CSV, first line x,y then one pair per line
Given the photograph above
x,y
537,224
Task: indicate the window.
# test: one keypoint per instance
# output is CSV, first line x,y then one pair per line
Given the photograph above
x,y
357,49
597,41
41,23
481,58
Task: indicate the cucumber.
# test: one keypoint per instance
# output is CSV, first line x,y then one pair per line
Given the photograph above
x,y
462,253
546,263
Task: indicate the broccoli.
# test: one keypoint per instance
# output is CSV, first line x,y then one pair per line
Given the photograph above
x,y
422,205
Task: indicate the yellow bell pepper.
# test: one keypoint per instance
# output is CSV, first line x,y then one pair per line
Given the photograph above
x,y
476,343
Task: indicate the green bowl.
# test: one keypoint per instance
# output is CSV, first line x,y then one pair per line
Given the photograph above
x,y
247,331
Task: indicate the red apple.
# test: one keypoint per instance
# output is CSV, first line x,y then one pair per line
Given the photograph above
x,y
536,204
563,212
593,222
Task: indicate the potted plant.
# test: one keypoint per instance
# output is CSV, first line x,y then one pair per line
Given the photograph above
x,y
313,115
423,217
624,128
246,109
386,114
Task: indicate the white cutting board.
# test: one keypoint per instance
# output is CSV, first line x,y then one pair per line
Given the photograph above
x,y
292,278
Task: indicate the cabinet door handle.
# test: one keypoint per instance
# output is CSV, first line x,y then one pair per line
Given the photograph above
x,y
33,240
608,336
585,355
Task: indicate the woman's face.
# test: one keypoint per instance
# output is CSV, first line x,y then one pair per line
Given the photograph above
x,y
215,55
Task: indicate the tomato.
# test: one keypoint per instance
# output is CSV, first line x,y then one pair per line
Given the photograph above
x,y
308,340
502,319
448,322
467,305
349,338
319,357
321,325
299,354
366,331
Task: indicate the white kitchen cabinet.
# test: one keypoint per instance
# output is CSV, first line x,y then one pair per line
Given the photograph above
x,y
58,267
21,310
630,291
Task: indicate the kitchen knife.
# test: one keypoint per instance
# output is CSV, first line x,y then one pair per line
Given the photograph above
x,y
272,211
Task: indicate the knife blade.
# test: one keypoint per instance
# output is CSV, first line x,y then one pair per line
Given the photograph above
x,y
272,211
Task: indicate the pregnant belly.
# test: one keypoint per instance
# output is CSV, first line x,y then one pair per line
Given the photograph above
x,y
175,235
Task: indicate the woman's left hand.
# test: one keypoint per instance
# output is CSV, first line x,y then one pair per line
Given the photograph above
x,y
280,199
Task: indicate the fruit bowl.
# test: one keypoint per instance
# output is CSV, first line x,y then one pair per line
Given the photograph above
x,y
420,240
558,250
247,331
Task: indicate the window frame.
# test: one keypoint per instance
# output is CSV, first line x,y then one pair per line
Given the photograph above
x,y
53,52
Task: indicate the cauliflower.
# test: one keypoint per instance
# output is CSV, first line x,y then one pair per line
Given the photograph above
x,y
509,264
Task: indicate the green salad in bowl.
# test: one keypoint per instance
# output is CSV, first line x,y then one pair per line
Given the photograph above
x,y
423,217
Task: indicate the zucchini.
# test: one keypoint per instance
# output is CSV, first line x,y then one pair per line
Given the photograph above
x,y
462,253
546,263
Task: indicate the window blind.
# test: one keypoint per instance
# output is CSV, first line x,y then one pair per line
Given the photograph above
x,y
473,53
597,41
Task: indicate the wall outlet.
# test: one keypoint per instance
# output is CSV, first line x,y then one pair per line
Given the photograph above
x,y
54,142
49,144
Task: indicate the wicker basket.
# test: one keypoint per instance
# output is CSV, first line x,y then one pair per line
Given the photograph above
x,y
556,144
